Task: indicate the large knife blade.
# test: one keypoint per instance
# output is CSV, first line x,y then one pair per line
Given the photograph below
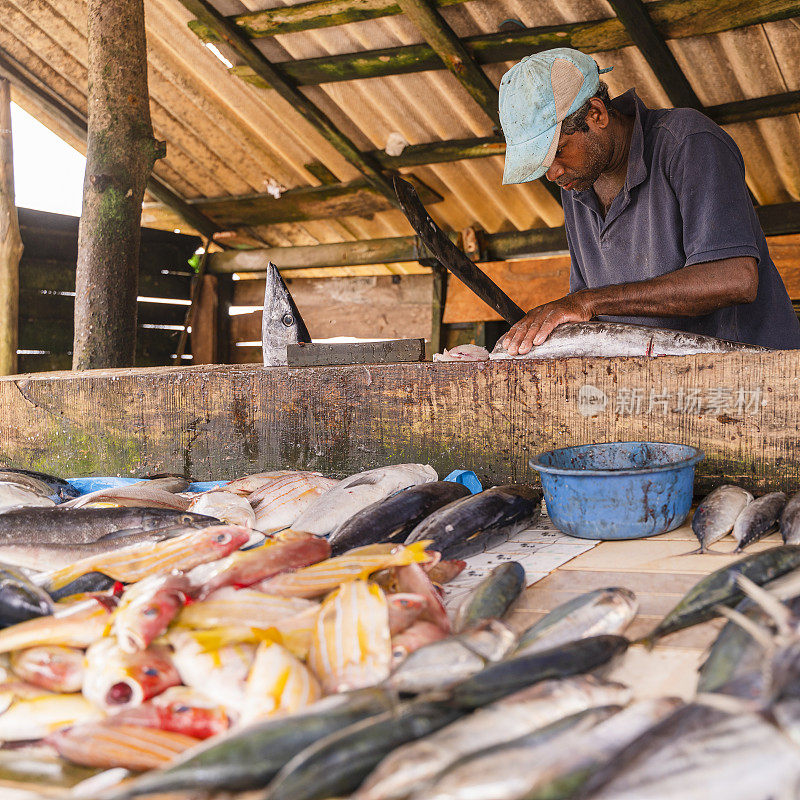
x,y
450,257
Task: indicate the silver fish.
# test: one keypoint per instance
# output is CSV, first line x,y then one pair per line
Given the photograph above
x,y
448,661
413,766
602,611
281,321
554,769
790,521
758,519
700,752
717,514
613,339
332,509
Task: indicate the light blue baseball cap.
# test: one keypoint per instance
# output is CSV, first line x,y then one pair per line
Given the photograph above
x,y
536,95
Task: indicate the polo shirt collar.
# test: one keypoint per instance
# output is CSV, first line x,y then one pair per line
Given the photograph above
x,y
628,103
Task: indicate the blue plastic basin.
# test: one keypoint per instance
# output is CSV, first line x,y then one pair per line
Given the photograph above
x,y
618,490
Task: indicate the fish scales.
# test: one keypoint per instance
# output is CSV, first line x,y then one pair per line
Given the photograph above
x,y
280,504
493,596
717,514
758,519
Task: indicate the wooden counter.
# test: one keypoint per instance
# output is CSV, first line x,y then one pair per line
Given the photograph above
x,y
225,421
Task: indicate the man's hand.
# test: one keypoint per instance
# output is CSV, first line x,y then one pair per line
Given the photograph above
x,y
538,323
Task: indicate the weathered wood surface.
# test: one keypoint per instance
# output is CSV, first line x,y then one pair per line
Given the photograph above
x,y
356,198
225,421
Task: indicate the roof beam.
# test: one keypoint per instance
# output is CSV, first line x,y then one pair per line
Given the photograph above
x,y
308,16
75,122
452,53
357,198
652,45
229,33
775,220
674,19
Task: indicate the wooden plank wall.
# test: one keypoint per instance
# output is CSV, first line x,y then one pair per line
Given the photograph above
x,y
47,286
225,421
396,307
531,282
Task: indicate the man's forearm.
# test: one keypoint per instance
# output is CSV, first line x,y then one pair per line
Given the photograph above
x,y
691,291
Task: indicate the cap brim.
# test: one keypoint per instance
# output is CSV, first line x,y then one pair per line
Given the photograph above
x,y
530,160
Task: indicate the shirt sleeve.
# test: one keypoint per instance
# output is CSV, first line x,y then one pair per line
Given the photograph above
x,y
707,175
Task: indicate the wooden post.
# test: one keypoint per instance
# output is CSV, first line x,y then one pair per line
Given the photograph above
x,y
437,310
10,241
205,323
120,155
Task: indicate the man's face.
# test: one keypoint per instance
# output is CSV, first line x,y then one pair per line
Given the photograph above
x,y
579,160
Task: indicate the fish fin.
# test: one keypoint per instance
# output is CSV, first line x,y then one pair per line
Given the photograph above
x,y
758,633
780,614
648,642
415,552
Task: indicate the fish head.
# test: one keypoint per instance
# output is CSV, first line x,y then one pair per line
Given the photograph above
x,y
222,539
281,321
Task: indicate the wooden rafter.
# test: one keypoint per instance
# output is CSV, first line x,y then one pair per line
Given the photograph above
x,y
285,86
775,220
653,47
75,122
674,18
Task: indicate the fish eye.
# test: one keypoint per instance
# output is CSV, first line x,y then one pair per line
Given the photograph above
x,y
151,672
287,319
150,611
180,709
222,538
186,519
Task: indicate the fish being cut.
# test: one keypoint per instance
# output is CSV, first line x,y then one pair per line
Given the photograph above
x,y
358,491
472,524
615,339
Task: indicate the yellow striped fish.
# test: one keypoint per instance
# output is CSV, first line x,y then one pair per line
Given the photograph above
x,y
278,683
34,717
129,564
76,625
351,645
247,607
129,746
357,564
278,504
218,672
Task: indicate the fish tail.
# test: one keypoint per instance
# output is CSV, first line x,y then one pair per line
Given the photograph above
x,y
648,641
415,553
698,551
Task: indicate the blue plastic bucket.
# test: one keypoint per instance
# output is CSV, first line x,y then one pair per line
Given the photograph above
x,y
618,490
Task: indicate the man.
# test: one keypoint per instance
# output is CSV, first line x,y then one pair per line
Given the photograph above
x,y
660,227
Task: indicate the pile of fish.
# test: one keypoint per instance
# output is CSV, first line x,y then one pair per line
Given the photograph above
x,y
730,509
285,633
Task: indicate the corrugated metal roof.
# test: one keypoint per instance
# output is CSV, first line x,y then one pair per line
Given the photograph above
x,y
226,137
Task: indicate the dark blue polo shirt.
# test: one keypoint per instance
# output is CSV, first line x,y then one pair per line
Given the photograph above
x,y
684,202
